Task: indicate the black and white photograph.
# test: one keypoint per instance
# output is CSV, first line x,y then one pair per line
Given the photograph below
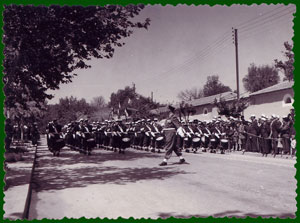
x,y
149,111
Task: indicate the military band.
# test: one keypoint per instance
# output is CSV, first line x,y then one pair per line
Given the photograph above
x,y
259,134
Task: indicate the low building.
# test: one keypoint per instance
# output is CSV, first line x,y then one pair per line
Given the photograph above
x,y
205,108
277,99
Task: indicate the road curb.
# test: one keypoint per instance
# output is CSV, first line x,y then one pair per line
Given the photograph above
x,y
29,193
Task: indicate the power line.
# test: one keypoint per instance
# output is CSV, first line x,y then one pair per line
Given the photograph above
x,y
201,58
251,24
263,17
264,20
193,59
252,19
271,23
218,41
261,29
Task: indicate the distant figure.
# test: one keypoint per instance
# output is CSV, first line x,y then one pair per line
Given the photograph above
x,y
35,135
55,139
9,130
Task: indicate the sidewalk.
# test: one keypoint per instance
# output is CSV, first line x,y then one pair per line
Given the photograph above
x,y
17,184
270,156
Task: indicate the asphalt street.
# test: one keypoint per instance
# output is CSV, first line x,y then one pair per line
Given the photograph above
x,y
109,184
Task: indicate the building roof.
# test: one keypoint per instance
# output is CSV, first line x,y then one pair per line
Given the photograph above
x,y
159,110
227,96
276,87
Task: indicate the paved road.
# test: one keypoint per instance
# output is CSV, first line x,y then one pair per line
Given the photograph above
x,y
108,184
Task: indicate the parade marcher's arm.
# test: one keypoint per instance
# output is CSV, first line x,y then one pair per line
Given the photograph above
x,y
176,122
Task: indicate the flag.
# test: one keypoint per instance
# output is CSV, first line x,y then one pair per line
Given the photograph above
x,y
126,112
119,109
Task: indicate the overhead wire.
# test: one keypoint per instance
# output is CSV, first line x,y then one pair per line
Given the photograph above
x,y
265,26
263,17
216,45
199,59
202,52
187,62
270,19
262,29
252,19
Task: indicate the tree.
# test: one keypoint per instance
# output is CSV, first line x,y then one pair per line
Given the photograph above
x,y
186,110
45,45
128,98
213,86
288,65
98,102
232,108
190,94
260,77
68,109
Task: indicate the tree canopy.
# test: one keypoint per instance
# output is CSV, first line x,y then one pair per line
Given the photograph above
x,y
260,77
190,94
128,98
45,45
67,110
233,108
213,86
98,102
288,65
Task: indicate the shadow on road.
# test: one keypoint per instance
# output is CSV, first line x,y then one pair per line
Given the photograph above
x,y
230,214
18,172
17,177
70,156
77,170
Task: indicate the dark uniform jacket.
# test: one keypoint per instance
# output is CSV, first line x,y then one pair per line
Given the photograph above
x,y
253,128
52,128
172,123
275,128
265,130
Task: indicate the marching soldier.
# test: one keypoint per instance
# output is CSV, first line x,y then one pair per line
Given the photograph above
x,y
172,125
121,132
157,138
147,135
196,137
55,141
187,137
180,139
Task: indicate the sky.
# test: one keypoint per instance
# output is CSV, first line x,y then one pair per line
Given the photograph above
x,y
182,46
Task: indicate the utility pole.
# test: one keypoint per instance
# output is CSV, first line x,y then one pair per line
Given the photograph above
x,y
235,33
151,96
133,85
